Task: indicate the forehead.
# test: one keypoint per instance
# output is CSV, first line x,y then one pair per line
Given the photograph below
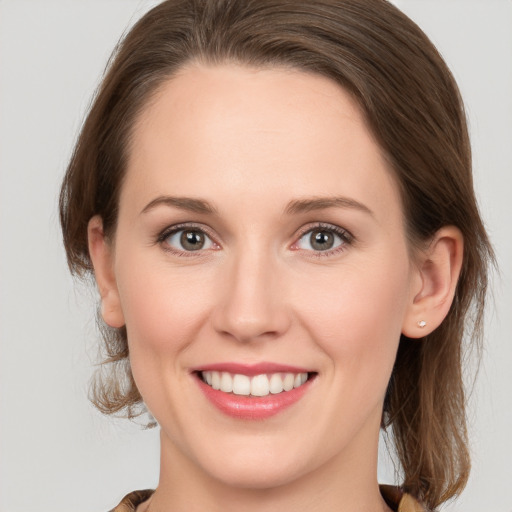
x,y
229,129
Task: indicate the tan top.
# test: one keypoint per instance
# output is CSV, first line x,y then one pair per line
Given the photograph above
x,y
399,500
394,497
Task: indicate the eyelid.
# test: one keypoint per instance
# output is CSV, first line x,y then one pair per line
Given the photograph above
x,y
345,235
183,226
327,226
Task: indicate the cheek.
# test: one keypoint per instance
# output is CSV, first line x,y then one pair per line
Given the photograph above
x,y
163,310
355,316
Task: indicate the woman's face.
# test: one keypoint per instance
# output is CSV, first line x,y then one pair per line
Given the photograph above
x,y
260,232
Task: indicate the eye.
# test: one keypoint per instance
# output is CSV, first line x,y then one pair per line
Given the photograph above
x,y
323,239
188,240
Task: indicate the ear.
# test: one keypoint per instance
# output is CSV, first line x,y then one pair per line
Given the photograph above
x,y
435,282
102,257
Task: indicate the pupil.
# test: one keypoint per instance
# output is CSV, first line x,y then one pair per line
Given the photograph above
x,y
192,240
322,240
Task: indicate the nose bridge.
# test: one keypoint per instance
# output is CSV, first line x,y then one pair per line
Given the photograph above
x,y
252,303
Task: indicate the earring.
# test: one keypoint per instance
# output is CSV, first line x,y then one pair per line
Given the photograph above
x,y
422,324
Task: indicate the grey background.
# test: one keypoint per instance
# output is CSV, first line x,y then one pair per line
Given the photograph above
x,y
56,452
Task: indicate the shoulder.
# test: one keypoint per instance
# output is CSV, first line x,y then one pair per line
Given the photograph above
x,y
131,501
394,496
400,501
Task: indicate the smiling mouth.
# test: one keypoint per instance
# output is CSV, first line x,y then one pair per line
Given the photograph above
x,y
254,386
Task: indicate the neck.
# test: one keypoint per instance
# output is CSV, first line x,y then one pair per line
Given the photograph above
x,y
345,483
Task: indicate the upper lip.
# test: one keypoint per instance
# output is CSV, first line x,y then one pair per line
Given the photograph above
x,y
251,369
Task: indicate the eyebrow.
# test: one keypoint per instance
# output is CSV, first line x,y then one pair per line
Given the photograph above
x,y
183,203
305,205
320,203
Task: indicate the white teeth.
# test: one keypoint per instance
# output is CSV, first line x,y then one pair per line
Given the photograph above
x,y
215,380
259,385
226,382
241,385
288,381
276,384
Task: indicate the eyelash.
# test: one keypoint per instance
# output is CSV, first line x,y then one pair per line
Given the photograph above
x,y
346,238
172,230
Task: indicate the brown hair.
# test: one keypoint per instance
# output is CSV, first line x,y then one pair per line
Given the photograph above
x,y
414,109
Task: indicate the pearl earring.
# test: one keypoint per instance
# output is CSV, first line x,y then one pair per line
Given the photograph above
x,y
422,324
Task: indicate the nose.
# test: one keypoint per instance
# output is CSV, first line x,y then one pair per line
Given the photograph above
x,y
251,304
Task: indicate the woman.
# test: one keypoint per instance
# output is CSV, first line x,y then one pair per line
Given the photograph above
x,y
275,199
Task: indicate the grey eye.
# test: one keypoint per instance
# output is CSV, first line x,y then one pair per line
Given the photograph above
x,y
320,239
192,240
189,240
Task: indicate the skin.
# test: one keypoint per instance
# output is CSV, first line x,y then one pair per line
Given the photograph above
x,y
250,142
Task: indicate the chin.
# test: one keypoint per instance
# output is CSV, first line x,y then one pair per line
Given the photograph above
x,y
257,476
257,467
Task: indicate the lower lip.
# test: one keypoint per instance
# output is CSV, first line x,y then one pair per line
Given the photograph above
x,y
250,407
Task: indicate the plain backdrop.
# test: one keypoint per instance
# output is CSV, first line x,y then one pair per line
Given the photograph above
x,y
56,452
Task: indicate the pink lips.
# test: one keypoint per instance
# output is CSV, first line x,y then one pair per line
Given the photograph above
x,y
249,407
251,369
